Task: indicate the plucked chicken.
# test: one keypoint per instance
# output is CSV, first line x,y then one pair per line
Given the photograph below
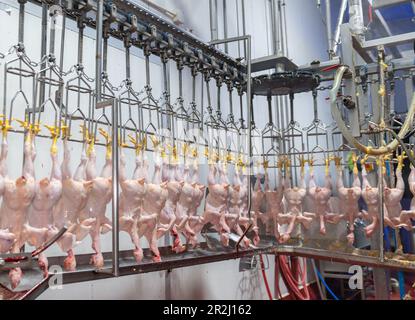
x,y
320,197
198,196
40,216
349,199
17,197
257,199
6,237
100,195
217,201
235,207
75,190
274,203
371,197
132,196
294,197
154,201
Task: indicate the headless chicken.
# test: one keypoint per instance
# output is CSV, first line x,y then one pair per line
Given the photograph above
x,y
348,200
184,206
294,197
257,198
198,195
132,196
273,199
407,215
216,202
321,197
394,216
40,217
6,237
75,192
393,197
244,220
96,205
371,197
18,195
236,207
154,201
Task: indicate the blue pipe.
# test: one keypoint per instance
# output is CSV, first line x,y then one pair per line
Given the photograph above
x,y
325,284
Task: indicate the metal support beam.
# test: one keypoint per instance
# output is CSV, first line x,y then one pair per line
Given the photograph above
x,y
348,55
389,41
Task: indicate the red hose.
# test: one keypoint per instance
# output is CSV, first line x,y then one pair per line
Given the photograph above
x,y
291,281
265,278
278,294
329,68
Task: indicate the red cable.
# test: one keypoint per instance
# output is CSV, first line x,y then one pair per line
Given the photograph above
x,y
265,278
278,294
329,68
291,282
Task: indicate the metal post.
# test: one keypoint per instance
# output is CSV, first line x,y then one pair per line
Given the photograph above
x,y
213,12
225,25
98,49
115,189
336,40
43,45
249,104
328,28
274,31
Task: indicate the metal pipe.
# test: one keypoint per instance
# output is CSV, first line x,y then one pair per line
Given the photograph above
x,y
21,21
43,45
274,30
280,29
340,19
243,24
61,57
115,189
249,104
213,12
98,49
237,26
285,37
328,28
225,25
